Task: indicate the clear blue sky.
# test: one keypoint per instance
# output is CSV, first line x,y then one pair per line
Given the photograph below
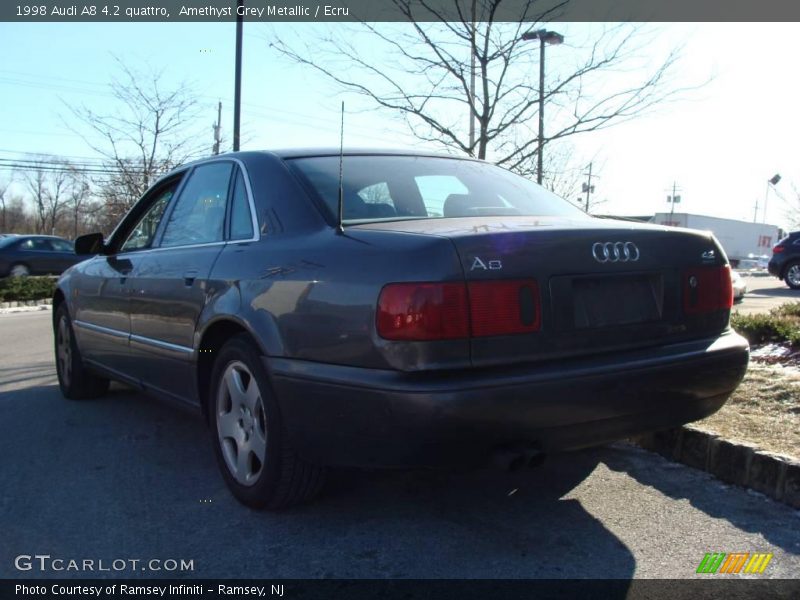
x,y
721,144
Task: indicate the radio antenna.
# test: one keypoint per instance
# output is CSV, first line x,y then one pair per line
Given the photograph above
x,y
340,225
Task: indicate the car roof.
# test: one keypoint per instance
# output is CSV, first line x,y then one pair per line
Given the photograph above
x,y
289,153
332,151
39,235
246,156
34,236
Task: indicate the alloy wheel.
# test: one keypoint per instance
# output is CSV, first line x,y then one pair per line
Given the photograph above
x,y
793,274
241,423
64,351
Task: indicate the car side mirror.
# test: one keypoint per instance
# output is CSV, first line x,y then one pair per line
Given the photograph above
x,y
91,243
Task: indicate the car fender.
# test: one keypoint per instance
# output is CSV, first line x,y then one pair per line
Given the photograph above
x,y
226,305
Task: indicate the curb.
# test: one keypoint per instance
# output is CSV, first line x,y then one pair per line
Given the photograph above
x,y
745,273
23,303
745,465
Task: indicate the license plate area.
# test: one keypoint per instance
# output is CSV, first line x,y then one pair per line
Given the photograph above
x,y
598,301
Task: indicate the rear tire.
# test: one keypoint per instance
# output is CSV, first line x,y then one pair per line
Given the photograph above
x,y
792,275
74,379
258,465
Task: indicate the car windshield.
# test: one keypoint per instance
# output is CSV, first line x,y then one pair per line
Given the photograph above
x,y
383,187
7,240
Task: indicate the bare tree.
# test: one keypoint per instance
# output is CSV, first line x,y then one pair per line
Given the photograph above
x,y
36,182
428,79
149,132
4,185
18,219
48,182
79,196
790,207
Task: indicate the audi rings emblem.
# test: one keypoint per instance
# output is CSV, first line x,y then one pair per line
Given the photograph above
x,y
605,252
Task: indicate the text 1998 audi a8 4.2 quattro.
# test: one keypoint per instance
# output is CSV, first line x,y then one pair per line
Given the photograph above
x,y
418,311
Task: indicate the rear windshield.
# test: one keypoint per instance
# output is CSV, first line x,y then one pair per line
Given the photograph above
x,y
420,187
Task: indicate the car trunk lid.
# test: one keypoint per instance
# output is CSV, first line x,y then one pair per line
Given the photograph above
x,y
603,285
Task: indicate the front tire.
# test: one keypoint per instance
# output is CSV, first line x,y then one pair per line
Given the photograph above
x,y
792,276
258,465
74,379
19,270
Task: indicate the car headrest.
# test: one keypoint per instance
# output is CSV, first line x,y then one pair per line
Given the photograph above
x,y
381,210
354,207
459,205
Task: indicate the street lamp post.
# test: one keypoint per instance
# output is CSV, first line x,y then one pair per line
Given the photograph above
x,y
544,37
770,182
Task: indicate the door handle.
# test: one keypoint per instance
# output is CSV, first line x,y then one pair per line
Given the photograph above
x,y
189,277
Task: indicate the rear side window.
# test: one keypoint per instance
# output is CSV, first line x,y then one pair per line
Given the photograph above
x,y
199,214
241,219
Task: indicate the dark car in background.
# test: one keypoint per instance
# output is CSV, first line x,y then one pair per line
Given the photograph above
x,y
454,313
785,261
35,255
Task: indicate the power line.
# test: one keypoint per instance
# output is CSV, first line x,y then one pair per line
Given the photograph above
x,y
64,167
255,109
49,155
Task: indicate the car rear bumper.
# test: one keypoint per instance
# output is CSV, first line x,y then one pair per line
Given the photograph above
x,y
774,268
340,415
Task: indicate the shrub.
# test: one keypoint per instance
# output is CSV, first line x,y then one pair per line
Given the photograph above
x,y
768,327
791,309
27,288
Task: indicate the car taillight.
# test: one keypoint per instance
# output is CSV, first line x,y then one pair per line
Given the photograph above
x,y
441,311
706,289
423,311
504,307
778,249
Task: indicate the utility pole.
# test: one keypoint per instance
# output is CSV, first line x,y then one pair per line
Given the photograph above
x,y
674,198
217,129
472,84
540,143
588,188
237,91
755,212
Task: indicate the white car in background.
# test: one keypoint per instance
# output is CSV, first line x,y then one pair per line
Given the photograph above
x,y
739,286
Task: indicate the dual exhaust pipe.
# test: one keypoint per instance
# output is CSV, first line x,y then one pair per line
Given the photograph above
x,y
515,457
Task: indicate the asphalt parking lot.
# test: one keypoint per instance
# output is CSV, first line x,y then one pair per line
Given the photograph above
x,y
128,478
765,293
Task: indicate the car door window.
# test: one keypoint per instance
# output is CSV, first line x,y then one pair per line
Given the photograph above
x,y
199,214
142,234
241,219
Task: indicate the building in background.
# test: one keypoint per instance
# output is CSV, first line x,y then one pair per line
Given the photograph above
x,y
746,244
